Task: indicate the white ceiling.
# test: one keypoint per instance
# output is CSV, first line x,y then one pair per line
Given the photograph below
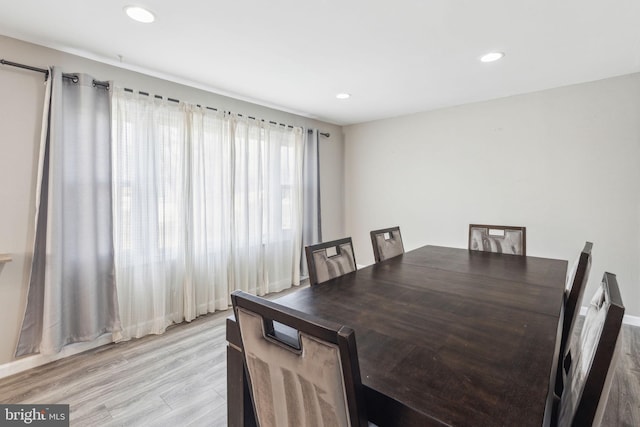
x,y
395,57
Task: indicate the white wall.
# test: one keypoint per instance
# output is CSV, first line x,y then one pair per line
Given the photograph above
x,y
565,163
21,99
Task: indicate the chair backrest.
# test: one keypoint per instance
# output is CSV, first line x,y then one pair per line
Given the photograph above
x,y
498,238
576,284
302,371
330,259
590,362
387,243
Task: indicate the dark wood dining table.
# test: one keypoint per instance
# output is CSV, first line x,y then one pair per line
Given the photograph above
x,y
445,336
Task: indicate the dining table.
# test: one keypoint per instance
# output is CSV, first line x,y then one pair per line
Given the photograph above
x,y
445,337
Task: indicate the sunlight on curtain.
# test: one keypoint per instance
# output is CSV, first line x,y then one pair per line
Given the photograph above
x,y
211,213
149,209
267,226
204,203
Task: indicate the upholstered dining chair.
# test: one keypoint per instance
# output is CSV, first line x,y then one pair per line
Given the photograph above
x,y
590,362
330,259
387,243
498,238
310,378
576,283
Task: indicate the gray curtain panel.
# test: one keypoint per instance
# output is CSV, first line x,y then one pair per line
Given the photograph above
x,y
72,292
311,223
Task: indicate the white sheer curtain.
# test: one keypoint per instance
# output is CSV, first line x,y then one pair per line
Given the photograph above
x,y
267,226
211,214
204,203
150,187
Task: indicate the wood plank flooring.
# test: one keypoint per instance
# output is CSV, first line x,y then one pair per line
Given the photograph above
x,y
179,379
623,407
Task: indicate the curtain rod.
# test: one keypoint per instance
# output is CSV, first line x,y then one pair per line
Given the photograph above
x,y
26,67
325,134
44,71
74,78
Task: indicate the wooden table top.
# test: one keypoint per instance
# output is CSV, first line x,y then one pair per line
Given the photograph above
x,y
450,336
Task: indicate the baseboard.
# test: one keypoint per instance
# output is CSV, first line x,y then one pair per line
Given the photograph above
x,y
627,319
631,320
34,361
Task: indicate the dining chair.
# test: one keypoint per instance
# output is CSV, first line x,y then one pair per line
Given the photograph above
x,y
590,362
576,284
498,238
329,260
387,243
308,376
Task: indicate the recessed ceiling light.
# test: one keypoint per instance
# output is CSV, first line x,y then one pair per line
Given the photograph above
x,y
139,14
492,56
343,96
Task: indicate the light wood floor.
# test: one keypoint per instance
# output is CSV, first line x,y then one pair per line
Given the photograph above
x,y
179,379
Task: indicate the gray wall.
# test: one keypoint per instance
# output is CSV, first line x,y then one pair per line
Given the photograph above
x,y
21,99
564,162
